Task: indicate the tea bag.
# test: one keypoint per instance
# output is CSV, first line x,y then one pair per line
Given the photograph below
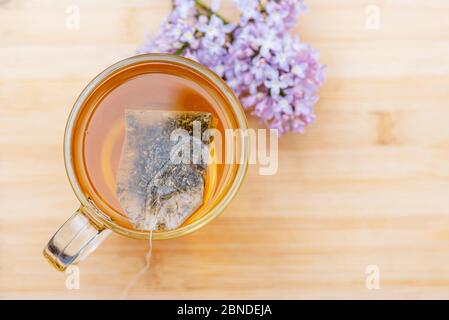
x,y
161,177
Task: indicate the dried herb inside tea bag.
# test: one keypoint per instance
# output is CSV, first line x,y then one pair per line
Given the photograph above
x,y
160,181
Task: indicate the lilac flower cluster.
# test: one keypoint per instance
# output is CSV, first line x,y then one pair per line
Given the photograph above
x,y
274,74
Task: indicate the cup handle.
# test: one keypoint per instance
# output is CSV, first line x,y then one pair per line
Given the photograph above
x,y
74,241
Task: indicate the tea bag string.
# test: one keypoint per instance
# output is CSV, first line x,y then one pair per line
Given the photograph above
x,y
142,271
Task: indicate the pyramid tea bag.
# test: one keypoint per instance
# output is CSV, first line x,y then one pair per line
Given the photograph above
x,y
161,177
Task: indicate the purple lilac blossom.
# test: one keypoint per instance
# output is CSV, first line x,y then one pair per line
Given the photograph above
x,y
275,75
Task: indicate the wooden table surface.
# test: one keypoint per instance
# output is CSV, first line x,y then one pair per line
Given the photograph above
x,y
366,185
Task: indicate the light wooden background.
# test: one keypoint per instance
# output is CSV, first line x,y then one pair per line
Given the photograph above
x,y
368,184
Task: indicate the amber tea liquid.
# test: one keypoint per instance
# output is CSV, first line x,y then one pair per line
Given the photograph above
x,y
100,130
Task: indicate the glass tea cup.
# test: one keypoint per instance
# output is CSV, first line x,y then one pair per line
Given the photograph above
x,y
94,136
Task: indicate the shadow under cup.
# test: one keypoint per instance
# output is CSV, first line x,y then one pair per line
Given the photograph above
x,y
95,134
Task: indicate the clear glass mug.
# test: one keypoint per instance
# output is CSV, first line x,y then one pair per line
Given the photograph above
x,y
96,219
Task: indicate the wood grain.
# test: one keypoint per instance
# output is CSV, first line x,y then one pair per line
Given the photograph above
x,y
367,184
